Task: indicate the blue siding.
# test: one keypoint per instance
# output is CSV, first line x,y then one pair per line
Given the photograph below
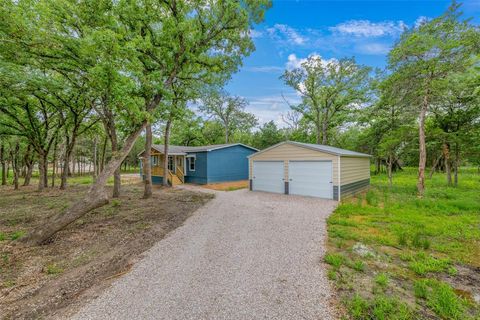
x,y
155,179
200,174
228,164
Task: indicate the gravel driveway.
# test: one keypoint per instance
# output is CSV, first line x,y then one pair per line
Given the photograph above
x,y
245,255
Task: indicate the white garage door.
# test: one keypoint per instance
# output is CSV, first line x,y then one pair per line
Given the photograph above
x,y
311,178
268,176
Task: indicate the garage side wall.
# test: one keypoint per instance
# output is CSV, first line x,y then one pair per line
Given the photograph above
x,y
354,175
288,152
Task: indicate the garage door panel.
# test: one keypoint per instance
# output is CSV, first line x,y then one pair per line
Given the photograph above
x,y
268,176
311,178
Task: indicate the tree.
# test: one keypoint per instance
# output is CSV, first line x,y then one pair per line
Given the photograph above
x,y
330,91
456,113
267,136
229,110
423,60
159,53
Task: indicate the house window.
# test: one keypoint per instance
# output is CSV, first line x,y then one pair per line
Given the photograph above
x,y
191,164
154,160
170,163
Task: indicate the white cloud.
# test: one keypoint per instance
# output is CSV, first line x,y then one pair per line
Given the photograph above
x,y
366,28
294,62
420,20
266,69
286,33
373,48
255,34
268,108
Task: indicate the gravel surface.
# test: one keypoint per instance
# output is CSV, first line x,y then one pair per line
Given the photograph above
x,y
245,255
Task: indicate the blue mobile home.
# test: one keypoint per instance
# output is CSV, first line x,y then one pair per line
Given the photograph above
x,y
201,165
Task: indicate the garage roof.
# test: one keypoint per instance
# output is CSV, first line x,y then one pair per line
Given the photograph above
x,y
319,147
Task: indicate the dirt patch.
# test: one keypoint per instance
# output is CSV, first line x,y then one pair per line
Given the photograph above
x,y
227,186
48,280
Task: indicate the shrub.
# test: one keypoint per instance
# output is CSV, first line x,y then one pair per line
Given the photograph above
x,y
3,236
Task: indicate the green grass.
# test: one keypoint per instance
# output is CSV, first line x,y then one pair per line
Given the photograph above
x,y
413,238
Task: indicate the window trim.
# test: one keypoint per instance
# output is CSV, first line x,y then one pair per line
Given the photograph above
x,y
190,163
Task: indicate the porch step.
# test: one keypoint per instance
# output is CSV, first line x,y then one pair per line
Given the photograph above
x,y
176,180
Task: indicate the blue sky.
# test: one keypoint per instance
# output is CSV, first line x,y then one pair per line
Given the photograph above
x,y
293,30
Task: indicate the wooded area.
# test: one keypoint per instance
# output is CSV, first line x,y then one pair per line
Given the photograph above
x,y
81,82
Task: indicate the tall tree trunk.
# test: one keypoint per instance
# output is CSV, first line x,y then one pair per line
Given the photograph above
x,y
434,166
67,157
117,174
165,152
324,132
147,167
29,165
457,163
104,152
95,197
45,170
15,165
422,159
54,162
226,134
390,175
41,169
95,164
446,157
4,167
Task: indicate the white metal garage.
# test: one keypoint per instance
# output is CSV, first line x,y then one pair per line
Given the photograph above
x,y
268,176
309,169
311,178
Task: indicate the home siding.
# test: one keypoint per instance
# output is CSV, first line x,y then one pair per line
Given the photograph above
x,y
228,164
354,169
354,175
200,175
288,152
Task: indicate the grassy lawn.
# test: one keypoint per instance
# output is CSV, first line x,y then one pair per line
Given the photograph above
x,y
38,281
395,256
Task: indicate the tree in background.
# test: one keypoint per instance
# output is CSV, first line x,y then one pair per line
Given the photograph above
x,y
331,91
228,110
157,53
267,135
422,62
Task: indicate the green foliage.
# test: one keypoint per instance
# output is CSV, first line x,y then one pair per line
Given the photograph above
x,y
53,269
382,279
441,298
423,264
335,260
17,235
329,91
380,308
